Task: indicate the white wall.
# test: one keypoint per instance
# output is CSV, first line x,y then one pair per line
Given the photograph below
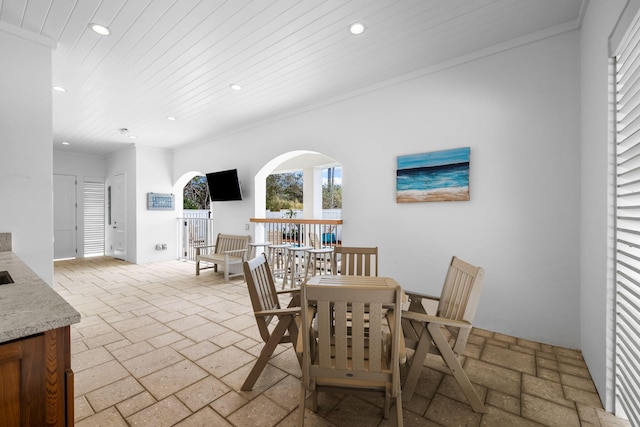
x,y
26,176
518,111
82,167
596,249
154,226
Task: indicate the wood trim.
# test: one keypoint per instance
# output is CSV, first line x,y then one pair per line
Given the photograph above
x,y
10,387
69,414
36,381
33,399
296,221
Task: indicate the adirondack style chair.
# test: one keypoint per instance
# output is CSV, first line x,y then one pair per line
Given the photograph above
x,y
425,333
267,310
348,350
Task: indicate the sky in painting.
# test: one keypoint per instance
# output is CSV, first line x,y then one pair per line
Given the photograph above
x,y
434,158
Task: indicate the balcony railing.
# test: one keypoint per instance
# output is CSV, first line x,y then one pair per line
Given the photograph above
x,y
316,233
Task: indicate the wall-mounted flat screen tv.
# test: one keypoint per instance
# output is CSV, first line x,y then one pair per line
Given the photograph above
x,y
224,186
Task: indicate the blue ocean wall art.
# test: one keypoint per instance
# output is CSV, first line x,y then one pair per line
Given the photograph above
x,y
436,176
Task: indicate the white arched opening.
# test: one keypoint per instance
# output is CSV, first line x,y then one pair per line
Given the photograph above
x,y
311,163
178,189
185,229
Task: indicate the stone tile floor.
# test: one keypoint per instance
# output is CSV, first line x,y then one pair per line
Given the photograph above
x,y
158,346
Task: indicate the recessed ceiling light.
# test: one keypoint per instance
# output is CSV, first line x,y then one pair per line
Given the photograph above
x,y
171,118
357,28
59,89
235,87
132,136
65,143
99,29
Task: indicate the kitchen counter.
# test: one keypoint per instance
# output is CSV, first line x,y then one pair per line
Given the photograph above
x,y
29,306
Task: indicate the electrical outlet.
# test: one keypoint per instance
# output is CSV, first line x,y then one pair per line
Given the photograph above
x,y
246,226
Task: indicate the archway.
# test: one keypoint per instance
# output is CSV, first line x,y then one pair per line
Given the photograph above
x,y
311,163
195,230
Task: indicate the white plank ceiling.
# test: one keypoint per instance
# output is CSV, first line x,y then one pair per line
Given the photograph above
x,y
179,57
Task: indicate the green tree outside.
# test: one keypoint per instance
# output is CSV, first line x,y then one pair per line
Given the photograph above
x,y
284,191
196,194
331,196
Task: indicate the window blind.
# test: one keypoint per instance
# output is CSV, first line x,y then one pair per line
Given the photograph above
x,y
627,359
93,218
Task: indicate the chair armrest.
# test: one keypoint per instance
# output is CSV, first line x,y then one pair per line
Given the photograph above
x,y
305,329
288,291
295,296
415,302
391,314
203,247
417,295
421,317
278,311
235,251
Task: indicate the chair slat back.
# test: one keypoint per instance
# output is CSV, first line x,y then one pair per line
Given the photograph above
x,y
351,343
355,261
274,236
226,242
461,291
262,291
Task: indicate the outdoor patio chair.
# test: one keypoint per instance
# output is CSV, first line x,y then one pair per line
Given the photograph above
x,y
355,261
350,347
425,333
267,310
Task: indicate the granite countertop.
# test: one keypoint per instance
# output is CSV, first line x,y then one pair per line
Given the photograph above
x,y
29,306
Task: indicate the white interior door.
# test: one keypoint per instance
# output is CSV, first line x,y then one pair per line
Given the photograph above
x,y
64,216
118,216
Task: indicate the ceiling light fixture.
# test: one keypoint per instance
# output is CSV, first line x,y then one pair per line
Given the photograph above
x,y
132,136
59,89
99,29
171,118
65,143
357,28
235,87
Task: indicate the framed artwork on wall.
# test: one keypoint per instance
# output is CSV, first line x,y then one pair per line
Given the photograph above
x,y
437,176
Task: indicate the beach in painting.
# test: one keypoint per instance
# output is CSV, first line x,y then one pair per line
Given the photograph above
x,y
433,177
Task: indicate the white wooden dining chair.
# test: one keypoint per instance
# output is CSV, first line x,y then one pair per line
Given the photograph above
x,y
347,348
424,332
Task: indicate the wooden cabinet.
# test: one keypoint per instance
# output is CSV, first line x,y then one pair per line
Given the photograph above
x,y
36,380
